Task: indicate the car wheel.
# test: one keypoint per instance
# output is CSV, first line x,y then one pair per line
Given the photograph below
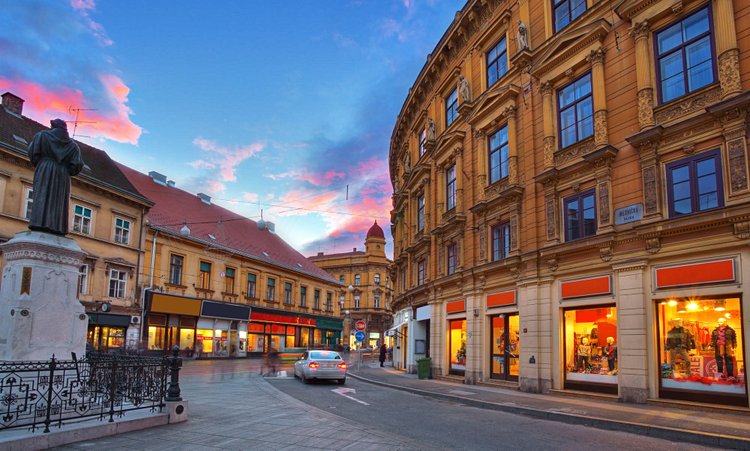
x,y
305,379
341,381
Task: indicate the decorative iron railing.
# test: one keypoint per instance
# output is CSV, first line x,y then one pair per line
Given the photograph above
x,y
52,393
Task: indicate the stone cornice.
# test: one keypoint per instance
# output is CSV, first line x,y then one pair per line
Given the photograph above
x,y
566,44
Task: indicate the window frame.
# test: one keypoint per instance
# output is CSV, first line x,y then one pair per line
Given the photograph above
x,y
251,285
452,257
422,139
376,301
303,296
90,217
377,278
172,266
28,196
124,230
573,105
420,212
571,19
502,229
681,48
421,271
271,289
83,278
287,293
120,283
329,301
342,279
204,277
451,107
489,64
450,188
579,198
316,299
229,280
502,148
357,280
691,162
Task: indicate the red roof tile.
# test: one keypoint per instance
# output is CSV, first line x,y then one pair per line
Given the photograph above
x,y
175,207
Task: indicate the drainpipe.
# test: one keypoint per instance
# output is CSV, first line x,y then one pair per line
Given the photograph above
x,y
150,286
138,268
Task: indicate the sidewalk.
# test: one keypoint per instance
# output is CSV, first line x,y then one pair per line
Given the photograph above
x,y
710,428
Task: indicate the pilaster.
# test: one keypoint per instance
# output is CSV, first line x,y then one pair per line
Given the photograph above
x,y
548,113
641,32
535,358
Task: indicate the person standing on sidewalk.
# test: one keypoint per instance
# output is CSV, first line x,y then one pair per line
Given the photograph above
x,y
383,352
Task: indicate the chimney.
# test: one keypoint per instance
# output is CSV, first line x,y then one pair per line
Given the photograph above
x,y
159,179
205,198
13,103
320,254
354,250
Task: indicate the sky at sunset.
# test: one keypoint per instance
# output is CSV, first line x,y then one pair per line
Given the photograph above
x,y
274,105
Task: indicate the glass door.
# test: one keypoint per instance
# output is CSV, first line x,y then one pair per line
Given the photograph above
x,y
505,347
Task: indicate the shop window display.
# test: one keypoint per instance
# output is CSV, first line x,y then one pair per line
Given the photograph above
x,y
591,346
156,336
505,347
458,345
701,349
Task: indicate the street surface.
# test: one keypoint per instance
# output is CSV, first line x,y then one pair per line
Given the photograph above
x,y
232,407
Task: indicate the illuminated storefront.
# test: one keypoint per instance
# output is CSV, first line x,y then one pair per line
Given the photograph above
x,y
107,331
590,348
280,330
456,337
505,335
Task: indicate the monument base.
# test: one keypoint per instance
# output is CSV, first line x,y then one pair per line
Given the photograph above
x,y
40,314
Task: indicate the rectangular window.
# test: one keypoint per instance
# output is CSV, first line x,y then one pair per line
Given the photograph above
x,y
452,258
250,286
83,279
356,301
342,279
423,141
357,280
498,155
451,108
117,283
500,241
497,62
580,216
575,111
287,293
122,231
684,56
303,297
329,302
450,188
229,280
82,220
566,11
376,299
316,300
457,346
271,290
420,212
29,201
695,184
377,278
421,270
204,278
590,337
403,280
175,269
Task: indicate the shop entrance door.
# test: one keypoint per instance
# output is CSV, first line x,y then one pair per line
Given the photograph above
x,y
505,347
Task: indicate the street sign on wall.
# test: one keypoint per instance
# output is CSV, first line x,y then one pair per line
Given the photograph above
x,y
360,325
359,336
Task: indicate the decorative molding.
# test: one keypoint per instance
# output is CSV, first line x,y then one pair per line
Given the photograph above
x,y
646,107
653,244
549,151
604,213
564,156
742,230
607,251
650,190
688,105
736,156
729,73
600,128
640,30
552,263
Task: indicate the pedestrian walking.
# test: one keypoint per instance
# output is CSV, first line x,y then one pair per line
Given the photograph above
x,y
383,352
273,360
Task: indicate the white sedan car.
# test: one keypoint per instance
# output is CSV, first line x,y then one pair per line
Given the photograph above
x,y
320,365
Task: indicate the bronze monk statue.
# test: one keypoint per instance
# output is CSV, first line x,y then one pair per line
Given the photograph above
x,y
56,158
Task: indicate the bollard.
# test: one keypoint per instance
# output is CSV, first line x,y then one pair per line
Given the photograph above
x,y
175,363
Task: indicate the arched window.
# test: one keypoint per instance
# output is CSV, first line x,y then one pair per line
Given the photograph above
x,y
357,280
377,278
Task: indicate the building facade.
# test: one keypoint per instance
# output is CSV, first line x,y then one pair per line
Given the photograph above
x,y
217,284
570,205
365,292
106,214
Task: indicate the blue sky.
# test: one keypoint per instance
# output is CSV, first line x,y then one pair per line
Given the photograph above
x,y
262,105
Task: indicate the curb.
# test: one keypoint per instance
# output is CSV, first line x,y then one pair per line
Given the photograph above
x,y
663,432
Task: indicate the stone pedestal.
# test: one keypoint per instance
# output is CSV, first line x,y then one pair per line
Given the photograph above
x,y
40,314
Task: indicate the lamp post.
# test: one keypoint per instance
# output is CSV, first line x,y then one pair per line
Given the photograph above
x,y
347,326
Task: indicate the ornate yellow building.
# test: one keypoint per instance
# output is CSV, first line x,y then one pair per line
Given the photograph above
x,y
570,204
365,292
218,284
106,214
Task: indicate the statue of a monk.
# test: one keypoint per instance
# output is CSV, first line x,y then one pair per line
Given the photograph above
x,y
56,158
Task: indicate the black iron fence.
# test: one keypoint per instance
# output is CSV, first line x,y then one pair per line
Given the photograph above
x,y
52,393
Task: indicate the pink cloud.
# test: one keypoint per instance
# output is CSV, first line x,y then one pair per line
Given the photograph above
x,y
110,121
224,158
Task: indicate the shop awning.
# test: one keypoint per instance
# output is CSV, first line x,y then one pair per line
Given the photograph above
x,y
109,319
225,310
395,329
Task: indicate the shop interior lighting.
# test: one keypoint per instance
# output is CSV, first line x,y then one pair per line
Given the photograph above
x,y
672,303
609,313
692,306
720,305
681,307
727,315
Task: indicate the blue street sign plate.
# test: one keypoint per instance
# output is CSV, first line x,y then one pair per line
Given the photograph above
x,y
359,335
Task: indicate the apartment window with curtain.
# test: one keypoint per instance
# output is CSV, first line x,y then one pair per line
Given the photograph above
x,y
303,297
122,231
377,278
498,155
421,271
497,62
684,57
329,302
575,111
175,269
204,277
271,289
83,279
250,286
229,280
117,283
357,280
580,216
450,188
376,300
316,300
28,202
452,257
500,241
342,279
451,108
423,142
82,219
287,293
420,212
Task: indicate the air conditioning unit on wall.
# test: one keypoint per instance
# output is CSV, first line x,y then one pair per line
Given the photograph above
x,y
135,320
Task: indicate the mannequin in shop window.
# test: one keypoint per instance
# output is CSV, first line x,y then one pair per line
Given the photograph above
x,y
584,354
610,353
724,341
679,343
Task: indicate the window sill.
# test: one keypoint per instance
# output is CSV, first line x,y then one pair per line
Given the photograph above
x,y
688,104
175,285
231,295
204,290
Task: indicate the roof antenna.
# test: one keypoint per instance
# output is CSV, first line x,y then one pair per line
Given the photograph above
x,y
76,121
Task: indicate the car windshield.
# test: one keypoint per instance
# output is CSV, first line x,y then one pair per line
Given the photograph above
x,y
329,355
